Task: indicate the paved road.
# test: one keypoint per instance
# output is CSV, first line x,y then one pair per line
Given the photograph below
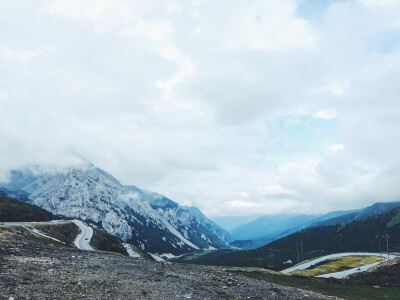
x,y
156,257
83,239
130,251
315,261
32,223
351,271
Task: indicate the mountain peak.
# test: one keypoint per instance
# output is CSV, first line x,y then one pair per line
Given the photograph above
x,y
149,220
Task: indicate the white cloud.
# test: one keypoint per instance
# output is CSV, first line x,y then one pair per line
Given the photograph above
x,y
26,55
336,147
336,88
274,189
160,31
380,2
242,204
269,25
174,96
185,65
325,114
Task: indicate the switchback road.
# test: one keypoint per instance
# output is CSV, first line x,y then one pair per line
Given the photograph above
x,y
342,273
83,239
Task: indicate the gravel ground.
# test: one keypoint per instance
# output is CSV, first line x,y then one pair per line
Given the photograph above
x,y
30,269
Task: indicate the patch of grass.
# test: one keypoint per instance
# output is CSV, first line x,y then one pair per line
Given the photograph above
x,y
26,233
32,236
215,258
18,211
142,253
363,286
4,229
337,264
65,232
104,241
388,276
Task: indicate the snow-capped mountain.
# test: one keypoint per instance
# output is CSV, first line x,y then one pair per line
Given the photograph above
x,y
149,220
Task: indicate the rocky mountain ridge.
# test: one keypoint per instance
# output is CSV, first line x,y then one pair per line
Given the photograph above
x,y
149,220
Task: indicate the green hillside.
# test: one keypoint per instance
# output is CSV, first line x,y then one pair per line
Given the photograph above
x,y
104,241
358,235
17,211
65,232
378,284
273,226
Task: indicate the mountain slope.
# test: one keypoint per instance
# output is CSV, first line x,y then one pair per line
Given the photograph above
x,y
16,211
231,222
12,210
276,227
357,214
212,226
148,220
14,194
354,236
266,229
270,225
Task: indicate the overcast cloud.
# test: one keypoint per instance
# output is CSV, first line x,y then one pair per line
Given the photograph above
x,y
237,107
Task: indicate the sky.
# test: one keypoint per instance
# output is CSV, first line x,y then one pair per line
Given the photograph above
x,y
238,107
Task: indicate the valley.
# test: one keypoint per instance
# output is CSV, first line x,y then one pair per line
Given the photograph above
x,y
208,150
266,229
362,235
108,267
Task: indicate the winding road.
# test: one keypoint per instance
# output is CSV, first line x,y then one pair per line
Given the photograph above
x,y
32,223
342,273
352,271
83,239
130,251
81,242
156,257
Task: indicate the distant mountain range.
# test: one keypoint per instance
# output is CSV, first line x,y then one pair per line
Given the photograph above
x,y
266,229
148,220
360,231
231,222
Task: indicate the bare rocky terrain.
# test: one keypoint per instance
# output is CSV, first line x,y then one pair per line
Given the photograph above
x,y
32,269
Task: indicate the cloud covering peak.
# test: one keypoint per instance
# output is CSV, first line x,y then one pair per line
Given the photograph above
x,y
237,107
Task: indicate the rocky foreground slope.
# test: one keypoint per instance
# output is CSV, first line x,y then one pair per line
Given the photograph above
x,y
30,269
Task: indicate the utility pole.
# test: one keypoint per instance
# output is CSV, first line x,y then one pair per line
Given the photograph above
x,y
380,251
298,254
260,261
387,246
301,245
